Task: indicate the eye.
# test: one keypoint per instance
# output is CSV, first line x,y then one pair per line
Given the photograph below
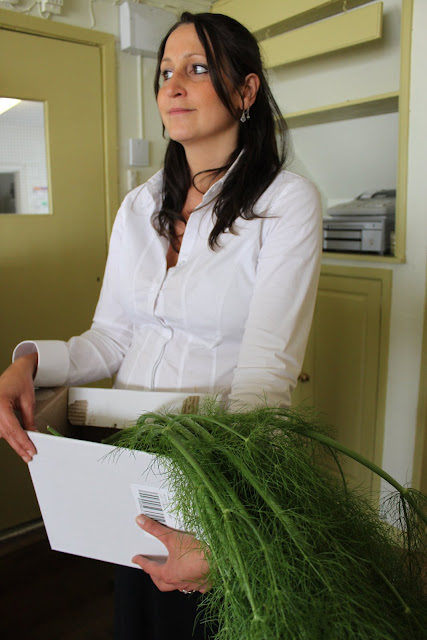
x,y
166,74
198,69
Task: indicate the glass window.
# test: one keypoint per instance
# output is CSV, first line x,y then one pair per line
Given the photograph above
x,y
23,168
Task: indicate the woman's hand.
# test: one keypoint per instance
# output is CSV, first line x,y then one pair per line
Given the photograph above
x,y
17,392
186,568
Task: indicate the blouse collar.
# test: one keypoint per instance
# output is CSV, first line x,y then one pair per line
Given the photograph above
x,y
155,183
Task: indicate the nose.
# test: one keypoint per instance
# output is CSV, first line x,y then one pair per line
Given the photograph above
x,y
176,85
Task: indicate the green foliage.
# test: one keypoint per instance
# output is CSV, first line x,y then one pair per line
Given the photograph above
x,y
294,553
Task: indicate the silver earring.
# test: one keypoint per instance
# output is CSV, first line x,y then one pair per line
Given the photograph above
x,y
245,115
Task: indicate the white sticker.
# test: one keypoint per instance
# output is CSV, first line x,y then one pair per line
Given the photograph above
x,y
154,503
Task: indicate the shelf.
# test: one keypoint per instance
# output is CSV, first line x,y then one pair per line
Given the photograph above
x,y
348,29
276,16
377,105
394,102
370,106
362,257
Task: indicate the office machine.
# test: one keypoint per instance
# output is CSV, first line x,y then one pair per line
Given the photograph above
x,y
363,225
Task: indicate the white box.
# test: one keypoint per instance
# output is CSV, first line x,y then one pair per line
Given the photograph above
x,y
90,493
138,152
142,28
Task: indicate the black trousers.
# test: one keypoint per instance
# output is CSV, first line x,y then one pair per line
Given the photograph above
x,y
142,612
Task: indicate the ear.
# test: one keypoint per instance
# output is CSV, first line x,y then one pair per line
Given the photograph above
x,y
250,90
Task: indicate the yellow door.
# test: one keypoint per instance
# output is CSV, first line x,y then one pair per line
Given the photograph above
x,y
51,265
340,375
346,361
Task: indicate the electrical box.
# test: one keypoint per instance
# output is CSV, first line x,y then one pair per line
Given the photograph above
x,y
138,152
143,27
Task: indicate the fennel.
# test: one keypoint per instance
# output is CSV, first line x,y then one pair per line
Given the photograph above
x,y
294,553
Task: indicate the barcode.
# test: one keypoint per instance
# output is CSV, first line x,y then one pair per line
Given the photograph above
x,y
150,505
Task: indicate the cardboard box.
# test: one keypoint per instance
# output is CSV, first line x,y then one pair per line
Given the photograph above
x,y
90,493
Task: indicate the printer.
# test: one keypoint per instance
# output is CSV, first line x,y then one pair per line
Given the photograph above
x,y
363,225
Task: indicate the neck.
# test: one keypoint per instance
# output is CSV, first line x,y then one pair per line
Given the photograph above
x,y
205,157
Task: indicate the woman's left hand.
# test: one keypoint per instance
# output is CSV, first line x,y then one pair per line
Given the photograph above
x,y
186,567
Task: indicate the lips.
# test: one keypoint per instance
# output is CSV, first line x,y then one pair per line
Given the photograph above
x,y
178,111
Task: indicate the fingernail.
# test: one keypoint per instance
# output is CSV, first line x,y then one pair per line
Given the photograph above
x,y
141,520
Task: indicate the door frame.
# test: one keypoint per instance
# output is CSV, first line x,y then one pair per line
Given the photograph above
x,y
13,21
420,450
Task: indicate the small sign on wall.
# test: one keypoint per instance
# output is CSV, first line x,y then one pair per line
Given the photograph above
x,y
39,200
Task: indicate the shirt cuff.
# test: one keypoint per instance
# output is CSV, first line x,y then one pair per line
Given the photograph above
x,y
53,361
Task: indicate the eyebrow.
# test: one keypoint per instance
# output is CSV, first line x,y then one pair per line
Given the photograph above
x,y
186,55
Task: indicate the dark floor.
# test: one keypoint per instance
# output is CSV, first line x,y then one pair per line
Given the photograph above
x,y
49,595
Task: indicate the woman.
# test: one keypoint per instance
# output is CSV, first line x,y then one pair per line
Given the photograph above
x,y
209,286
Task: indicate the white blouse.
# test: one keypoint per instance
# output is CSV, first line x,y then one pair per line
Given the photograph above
x,y
234,320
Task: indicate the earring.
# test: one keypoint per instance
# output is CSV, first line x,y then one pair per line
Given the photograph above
x,y
245,115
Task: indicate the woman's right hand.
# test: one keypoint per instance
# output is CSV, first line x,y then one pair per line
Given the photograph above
x,y
17,393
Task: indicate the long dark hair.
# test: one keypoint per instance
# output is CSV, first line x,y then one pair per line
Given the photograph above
x,y
232,52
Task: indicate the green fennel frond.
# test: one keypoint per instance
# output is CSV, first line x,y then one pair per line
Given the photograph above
x,y
294,552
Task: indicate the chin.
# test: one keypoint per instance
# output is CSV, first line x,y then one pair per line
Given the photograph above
x,y
181,138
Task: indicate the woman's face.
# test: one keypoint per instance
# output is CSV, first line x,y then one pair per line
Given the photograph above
x,y
189,106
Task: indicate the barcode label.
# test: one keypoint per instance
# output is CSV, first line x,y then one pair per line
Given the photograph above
x,y
154,503
150,505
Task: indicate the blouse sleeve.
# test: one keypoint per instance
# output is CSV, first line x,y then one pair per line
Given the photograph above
x,y
98,352
282,303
